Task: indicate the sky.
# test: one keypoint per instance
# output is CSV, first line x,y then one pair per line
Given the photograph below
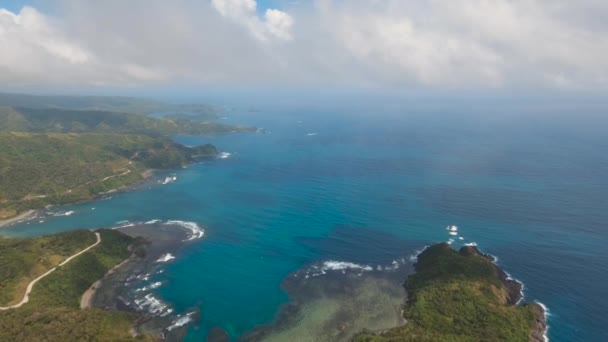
x,y
436,45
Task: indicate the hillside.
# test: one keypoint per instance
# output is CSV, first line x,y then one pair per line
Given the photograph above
x,y
121,104
53,312
58,168
60,120
462,296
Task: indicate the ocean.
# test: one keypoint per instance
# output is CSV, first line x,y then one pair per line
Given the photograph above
x,y
371,186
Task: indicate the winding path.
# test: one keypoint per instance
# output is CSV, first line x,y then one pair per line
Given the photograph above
x,y
26,297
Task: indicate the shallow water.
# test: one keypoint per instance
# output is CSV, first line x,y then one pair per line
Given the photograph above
x,y
373,186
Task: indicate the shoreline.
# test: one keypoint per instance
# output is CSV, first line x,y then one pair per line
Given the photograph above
x,y
147,176
19,218
131,285
86,301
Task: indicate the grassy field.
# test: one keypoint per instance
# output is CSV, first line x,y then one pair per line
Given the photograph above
x,y
458,296
53,312
22,260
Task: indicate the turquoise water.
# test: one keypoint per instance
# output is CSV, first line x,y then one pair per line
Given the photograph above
x,y
374,185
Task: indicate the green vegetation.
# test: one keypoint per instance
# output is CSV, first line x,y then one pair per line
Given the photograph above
x,y
53,312
22,260
459,296
119,104
59,120
41,169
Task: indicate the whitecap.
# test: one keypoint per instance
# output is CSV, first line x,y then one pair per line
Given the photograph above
x,y
224,155
61,213
454,233
312,134
165,258
169,179
150,287
471,244
152,221
181,321
343,265
414,257
452,228
546,314
196,231
151,304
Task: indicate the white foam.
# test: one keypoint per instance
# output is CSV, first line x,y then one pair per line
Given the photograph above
x,y
414,257
196,231
344,265
181,321
312,134
225,155
547,314
454,233
150,287
452,228
460,238
165,258
168,179
151,304
61,213
471,244
450,241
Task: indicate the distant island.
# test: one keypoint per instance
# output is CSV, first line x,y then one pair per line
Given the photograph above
x,y
63,149
463,296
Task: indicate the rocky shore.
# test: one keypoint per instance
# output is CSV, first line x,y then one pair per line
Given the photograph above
x,y
515,296
128,287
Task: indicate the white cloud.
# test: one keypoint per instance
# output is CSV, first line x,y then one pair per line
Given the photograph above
x,y
276,24
389,43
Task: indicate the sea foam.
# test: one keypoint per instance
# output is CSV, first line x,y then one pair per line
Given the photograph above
x,y
165,258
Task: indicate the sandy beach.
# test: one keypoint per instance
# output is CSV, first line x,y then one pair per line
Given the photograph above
x,y
23,216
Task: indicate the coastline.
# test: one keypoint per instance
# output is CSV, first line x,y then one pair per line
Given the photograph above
x,y
539,332
130,285
19,218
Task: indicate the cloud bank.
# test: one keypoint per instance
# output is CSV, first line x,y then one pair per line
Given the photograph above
x,y
358,43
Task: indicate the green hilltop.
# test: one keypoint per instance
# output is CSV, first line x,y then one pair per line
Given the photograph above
x,y
63,149
462,296
53,311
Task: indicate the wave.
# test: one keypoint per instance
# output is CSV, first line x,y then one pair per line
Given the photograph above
x,y
165,258
414,257
168,179
196,232
328,266
312,134
546,313
224,155
152,305
181,321
150,287
61,213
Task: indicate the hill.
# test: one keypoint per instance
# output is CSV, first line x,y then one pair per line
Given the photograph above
x,y
53,312
57,168
121,104
61,120
463,296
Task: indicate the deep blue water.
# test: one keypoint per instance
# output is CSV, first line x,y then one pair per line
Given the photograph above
x,y
530,187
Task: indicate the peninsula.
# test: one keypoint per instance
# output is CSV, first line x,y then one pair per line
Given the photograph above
x,y
463,296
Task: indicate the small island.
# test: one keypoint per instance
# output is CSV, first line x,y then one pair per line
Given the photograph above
x,y
463,296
